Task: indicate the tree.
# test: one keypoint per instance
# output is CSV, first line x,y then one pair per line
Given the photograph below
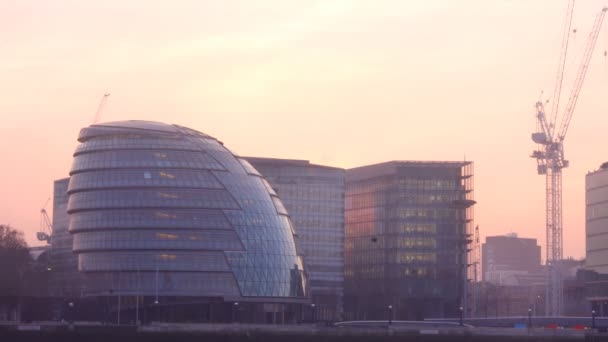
x,y
14,261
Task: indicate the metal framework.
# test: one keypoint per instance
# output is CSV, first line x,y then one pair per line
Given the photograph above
x,y
102,103
46,228
550,159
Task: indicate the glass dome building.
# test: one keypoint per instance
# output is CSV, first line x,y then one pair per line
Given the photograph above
x,y
166,213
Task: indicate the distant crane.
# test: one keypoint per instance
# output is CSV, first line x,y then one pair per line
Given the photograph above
x,y
102,103
46,228
550,157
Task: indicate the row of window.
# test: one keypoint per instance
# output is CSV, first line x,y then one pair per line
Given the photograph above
x,y
390,242
248,168
265,245
326,239
148,198
392,256
144,159
157,239
355,216
598,210
143,178
319,208
249,191
449,183
597,179
124,142
382,199
314,192
229,161
371,228
142,218
162,283
151,261
379,272
312,222
264,259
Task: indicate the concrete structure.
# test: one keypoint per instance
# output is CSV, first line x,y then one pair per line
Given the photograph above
x,y
596,231
170,215
407,229
314,197
508,259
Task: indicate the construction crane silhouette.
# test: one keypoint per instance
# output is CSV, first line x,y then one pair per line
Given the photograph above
x,y
550,157
102,103
46,228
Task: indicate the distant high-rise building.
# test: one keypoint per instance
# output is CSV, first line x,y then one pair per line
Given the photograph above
x,y
596,230
314,197
65,278
507,258
407,227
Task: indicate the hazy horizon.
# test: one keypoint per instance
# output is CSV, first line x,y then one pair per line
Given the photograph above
x,y
343,83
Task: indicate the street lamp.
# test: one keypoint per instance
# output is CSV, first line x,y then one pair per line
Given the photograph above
x,y
390,314
71,312
235,308
593,319
312,306
461,315
529,317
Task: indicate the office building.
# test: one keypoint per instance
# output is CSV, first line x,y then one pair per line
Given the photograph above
x,y
65,278
169,215
314,197
407,230
596,231
510,260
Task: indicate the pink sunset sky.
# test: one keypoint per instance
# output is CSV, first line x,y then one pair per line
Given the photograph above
x,y
338,82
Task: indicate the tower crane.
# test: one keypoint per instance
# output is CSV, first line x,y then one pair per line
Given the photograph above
x,y
550,158
46,228
102,103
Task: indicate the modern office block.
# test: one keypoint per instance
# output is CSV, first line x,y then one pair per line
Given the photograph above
x,y
407,227
507,258
314,197
596,231
65,278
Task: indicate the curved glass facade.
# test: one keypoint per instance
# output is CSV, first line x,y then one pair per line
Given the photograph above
x,y
164,210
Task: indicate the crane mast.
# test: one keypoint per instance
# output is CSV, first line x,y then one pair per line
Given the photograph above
x,y
102,103
46,228
550,160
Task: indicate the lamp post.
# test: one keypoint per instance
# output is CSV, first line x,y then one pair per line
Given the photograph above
x,y
529,318
390,314
312,306
71,312
536,302
461,315
593,319
235,310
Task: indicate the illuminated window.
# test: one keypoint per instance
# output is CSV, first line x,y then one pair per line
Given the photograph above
x,y
167,175
165,236
167,256
161,214
166,195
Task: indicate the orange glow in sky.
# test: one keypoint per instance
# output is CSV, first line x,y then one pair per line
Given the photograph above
x,y
339,82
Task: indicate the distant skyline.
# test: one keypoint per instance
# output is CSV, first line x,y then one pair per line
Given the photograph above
x,y
338,82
